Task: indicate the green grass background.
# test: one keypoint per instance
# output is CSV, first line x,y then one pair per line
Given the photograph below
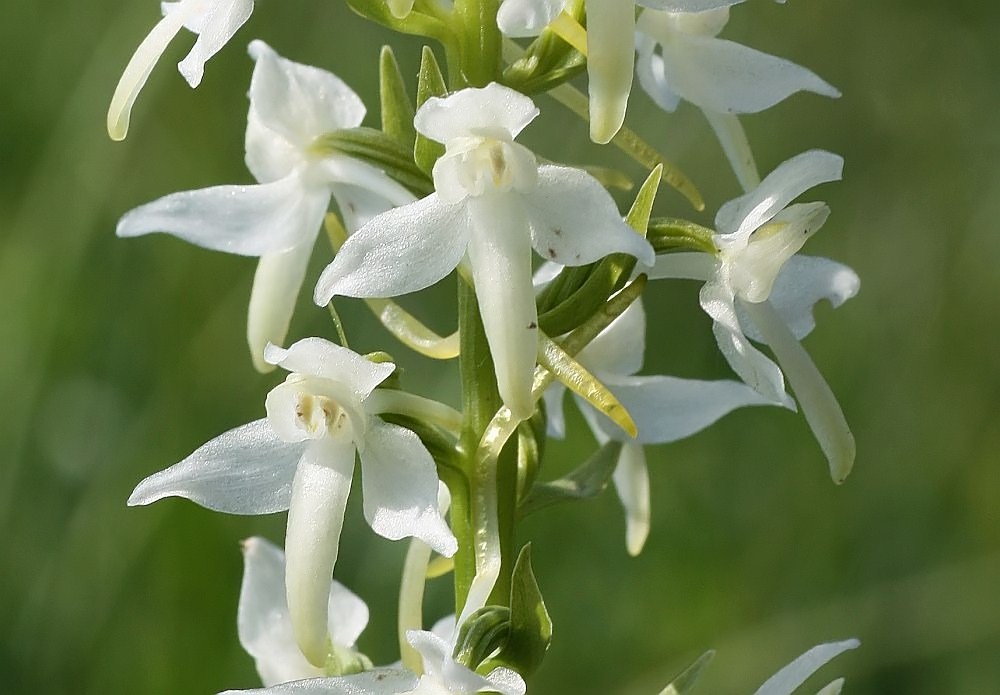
x,y
119,357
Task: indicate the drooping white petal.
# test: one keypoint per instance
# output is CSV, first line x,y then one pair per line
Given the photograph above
x,y
245,220
619,348
400,486
728,77
275,288
793,177
574,221
219,22
610,55
319,357
631,479
500,256
298,101
652,75
684,266
802,283
430,236
379,681
733,138
785,681
312,539
519,18
474,112
554,397
247,470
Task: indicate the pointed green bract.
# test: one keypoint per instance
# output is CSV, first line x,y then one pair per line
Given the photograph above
x,y
397,110
430,83
530,628
684,682
585,481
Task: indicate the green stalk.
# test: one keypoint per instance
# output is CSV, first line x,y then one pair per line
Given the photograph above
x,y
480,41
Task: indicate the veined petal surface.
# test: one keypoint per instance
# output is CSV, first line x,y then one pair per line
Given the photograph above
x,y
475,111
247,470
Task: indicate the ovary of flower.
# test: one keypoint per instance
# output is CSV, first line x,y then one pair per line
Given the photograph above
x,y
757,287
301,458
492,203
214,21
291,106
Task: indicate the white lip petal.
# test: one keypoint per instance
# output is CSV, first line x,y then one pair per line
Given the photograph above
x,y
321,358
520,18
219,24
474,110
275,288
247,470
574,221
610,57
245,220
785,681
631,479
400,488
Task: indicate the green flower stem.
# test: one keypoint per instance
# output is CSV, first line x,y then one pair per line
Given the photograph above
x,y
480,41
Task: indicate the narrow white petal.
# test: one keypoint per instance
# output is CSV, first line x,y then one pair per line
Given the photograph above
x,y
137,72
785,681
358,205
500,256
610,55
245,220
684,266
400,486
433,649
347,615
312,539
554,397
652,75
380,681
519,18
619,348
320,357
803,282
736,146
247,470
818,402
574,220
299,101
728,77
474,110
275,288
221,22
793,177
262,620
400,251
687,5
631,479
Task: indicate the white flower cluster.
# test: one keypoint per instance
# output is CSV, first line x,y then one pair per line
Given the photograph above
x,y
492,202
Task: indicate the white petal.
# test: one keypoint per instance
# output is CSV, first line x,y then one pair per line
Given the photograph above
x,y
728,77
610,55
500,256
347,615
264,627
439,667
741,216
220,23
345,170
275,288
319,357
299,101
247,470
785,681
358,205
666,408
400,251
268,155
652,75
631,480
507,681
554,397
574,220
619,348
832,688
687,5
803,282
736,147
380,681
312,539
519,18
684,266
245,220
474,110
140,65
545,273
400,485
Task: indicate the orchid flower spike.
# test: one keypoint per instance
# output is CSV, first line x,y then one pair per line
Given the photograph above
x,y
757,288
492,203
301,458
291,106
214,21
665,409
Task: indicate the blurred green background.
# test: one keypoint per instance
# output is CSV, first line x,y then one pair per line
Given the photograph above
x,y
120,357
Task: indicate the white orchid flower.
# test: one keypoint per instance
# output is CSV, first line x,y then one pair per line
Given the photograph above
x,y
755,287
788,679
664,408
265,625
301,458
291,105
492,204
214,21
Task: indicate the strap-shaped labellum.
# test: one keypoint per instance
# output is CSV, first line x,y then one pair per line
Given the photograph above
x,y
397,110
430,83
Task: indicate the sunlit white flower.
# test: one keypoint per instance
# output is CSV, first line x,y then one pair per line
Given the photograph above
x,y
788,679
756,287
664,408
291,106
492,204
214,21
301,458
265,626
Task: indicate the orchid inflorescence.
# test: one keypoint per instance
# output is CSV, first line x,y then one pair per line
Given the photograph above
x,y
446,186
